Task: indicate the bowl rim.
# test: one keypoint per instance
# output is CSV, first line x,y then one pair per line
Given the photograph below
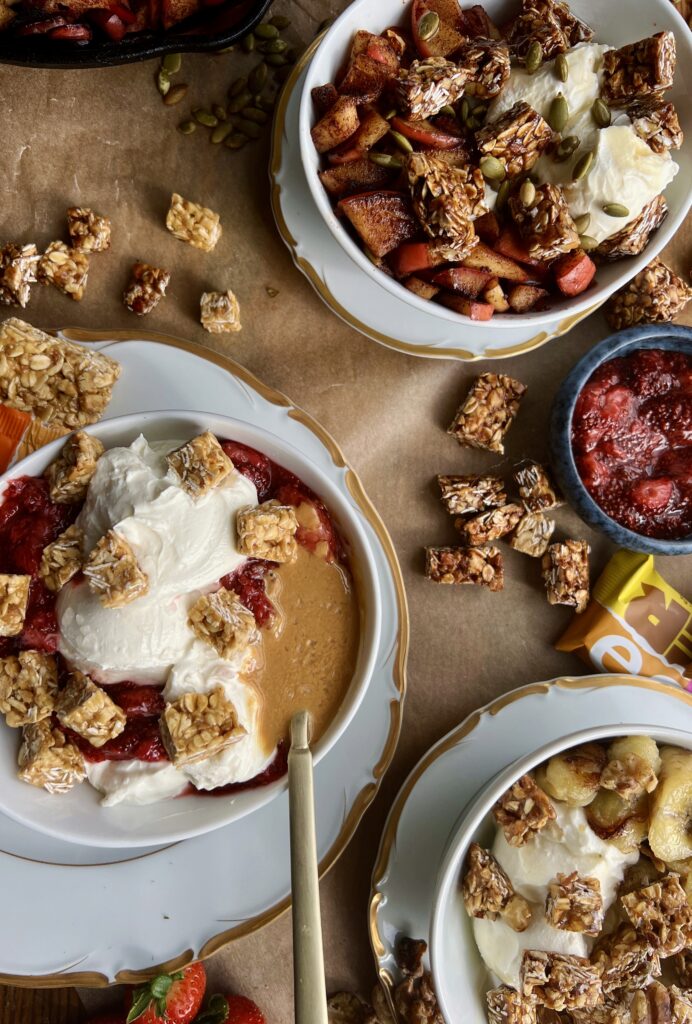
x,y
643,336
473,814
367,592
590,299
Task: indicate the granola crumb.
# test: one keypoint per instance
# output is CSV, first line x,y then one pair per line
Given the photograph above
x,y
14,597
88,231
268,531
566,574
197,225
65,268
575,904
222,621
480,566
523,811
220,312
200,465
146,288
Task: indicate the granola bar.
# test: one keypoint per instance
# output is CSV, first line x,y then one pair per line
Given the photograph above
x,y
523,811
657,123
65,268
532,535
113,574
661,914
200,465
425,87
634,237
559,981
566,573
517,138
605,1013
69,475
488,892
88,231
199,725
440,201
61,383
220,312
463,494
268,531
14,597
639,69
18,266
192,223
87,709
629,776
625,959
486,64
507,1006
487,412
481,566
146,288
223,622
62,559
28,687
546,226
536,489
47,759
575,904
491,525
550,23
656,295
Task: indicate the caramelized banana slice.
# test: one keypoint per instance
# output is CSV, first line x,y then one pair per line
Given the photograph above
x,y
621,822
670,836
574,776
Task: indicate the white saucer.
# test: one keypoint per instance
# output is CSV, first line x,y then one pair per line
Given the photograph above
x,y
93,916
457,768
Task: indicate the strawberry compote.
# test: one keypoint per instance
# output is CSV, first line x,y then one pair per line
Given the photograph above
x,y
632,441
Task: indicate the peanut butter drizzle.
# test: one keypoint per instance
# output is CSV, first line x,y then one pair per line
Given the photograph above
x,y
308,655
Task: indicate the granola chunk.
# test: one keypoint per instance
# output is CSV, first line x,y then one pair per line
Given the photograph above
x,y
491,525
47,759
61,383
507,1006
70,474
546,226
488,892
65,268
680,1005
220,312
88,231
559,981
629,776
480,566
268,531
441,202
575,904
425,87
62,559
223,622
639,69
28,687
198,725
146,288
634,237
550,23
661,914
14,597
566,573
464,494
625,959
657,123
349,1008
488,412
532,535
655,295
653,1005
18,265
88,710
517,138
486,64
113,574
536,489
523,811
192,223
200,465
414,997
683,967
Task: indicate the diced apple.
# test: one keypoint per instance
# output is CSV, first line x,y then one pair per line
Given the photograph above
x,y
468,307
485,258
383,52
465,280
383,219
510,245
324,97
574,272
361,41
364,77
494,294
422,288
487,227
450,34
414,257
477,23
354,177
337,125
426,134
371,129
523,297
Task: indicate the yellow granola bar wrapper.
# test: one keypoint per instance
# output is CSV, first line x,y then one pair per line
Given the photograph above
x,y
635,622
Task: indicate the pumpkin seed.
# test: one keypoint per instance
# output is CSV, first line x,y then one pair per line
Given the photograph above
x,y
163,82
615,210
390,114
429,25
600,112
252,130
465,109
534,57
219,112
205,117
254,114
243,99
276,46
558,115
527,193
276,60
503,194
492,169
582,223
221,132
587,243
565,148
473,123
266,31
448,110
172,63
238,86
257,79
385,160
248,43
582,166
480,110
561,67
401,141
236,141
187,127
280,21
175,94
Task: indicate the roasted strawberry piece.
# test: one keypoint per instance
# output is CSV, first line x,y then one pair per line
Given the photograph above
x,y
488,228
523,297
468,307
574,272
497,265
466,280
426,134
324,97
337,125
450,33
354,176
382,219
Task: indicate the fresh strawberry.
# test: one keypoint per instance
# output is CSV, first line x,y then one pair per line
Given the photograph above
x,y
169,998
231,1010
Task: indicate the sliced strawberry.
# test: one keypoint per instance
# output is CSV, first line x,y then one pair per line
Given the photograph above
x,y
574,272
468,307
450,34
41,26
465,280
124,13
168,998
426,134
619,403
652,495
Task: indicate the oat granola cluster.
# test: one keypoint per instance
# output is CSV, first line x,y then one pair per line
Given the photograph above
x,y
200,465
516,139
86,709
69,475
634,237
28,687
112,572
655,295
443,202
14,597
268,531
197,225
199,725
222,621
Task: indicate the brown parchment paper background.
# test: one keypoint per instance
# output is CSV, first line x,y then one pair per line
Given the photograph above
x,y
104,139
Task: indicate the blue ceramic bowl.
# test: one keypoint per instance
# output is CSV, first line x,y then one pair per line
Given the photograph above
x,y
664,336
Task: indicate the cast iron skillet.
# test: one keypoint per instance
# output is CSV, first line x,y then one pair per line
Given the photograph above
x,y
212,29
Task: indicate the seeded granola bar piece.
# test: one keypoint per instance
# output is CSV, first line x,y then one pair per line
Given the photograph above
x,y
70,473
625,960
656,295
559,981
488,892
516,139
222,621
62,559
444,198
480,566
199,725
488,412
507,1006
28,687
88,231
546,226
486,63
575,904
86,709
550,23
471,493
47,759
146,288
220,312
634,237
488,526
62,384
523,811
113,574
65,268
629,776
566,573
536,489
425,87
657,123
14,597
192,223
639,69
532,535
268,531
18,266
200,465
661,914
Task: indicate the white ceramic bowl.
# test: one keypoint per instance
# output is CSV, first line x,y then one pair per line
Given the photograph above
x,y
78,816
616,23
460,976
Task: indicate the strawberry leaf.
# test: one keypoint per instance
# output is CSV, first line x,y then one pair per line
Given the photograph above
x,y
142,999
215,1013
